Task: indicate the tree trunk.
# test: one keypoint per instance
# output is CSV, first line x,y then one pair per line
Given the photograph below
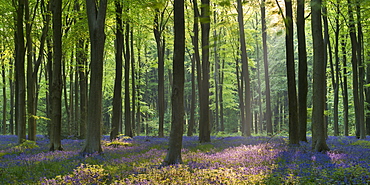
x,y
66,102
319,80
192,103
361,70
355,75
240,93
138,91
345,87
195,42
12,94
328,57
175,143
56,79
4,99
244,59
337,71
31,88
128,126
117,96
292,92
258,100
204,122
133,82
81,59
158,30
20,111
221,97
302,72
216,75
267,77
96,21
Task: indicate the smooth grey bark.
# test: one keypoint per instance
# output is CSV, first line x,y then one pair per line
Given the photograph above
x,y
359,115
31,86
192,101
96,13
216,75
20,95
292,91
268,116
56,79
319,80
133,98
258,113
240,94
138,91
175,142
12,95
337,70
204,121
127,113
222,125
361,69
302,71
244,58
5,101
195,42
82,68
344,87
160,41
117,94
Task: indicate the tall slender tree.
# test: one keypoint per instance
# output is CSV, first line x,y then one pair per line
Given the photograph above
x,y
175,143
337,69
319,80
20,88
248,113
81,60
361,69
31,86
355,70
204,121
292,91
117,96
96,13
56,79
128,124
266,65
344,87
302,71
159,26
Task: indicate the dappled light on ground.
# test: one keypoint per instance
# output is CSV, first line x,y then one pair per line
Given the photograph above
x,y
227,160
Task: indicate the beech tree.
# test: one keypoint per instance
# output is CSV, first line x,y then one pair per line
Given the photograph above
x,y
319,80
20,88
292,91
204,121
177,98
117,97
302,71
56,79
248,113
96,12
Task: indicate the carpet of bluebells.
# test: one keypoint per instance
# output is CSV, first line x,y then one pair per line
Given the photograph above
x,y
226,160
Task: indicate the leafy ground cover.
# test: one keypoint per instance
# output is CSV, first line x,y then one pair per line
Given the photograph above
x,y
227,160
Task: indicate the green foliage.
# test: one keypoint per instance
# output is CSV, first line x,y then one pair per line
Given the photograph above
x,y
121,140
27,144
206,147
84,174
362,143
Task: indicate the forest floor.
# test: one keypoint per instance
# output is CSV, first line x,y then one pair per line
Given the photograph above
x,y
226,160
